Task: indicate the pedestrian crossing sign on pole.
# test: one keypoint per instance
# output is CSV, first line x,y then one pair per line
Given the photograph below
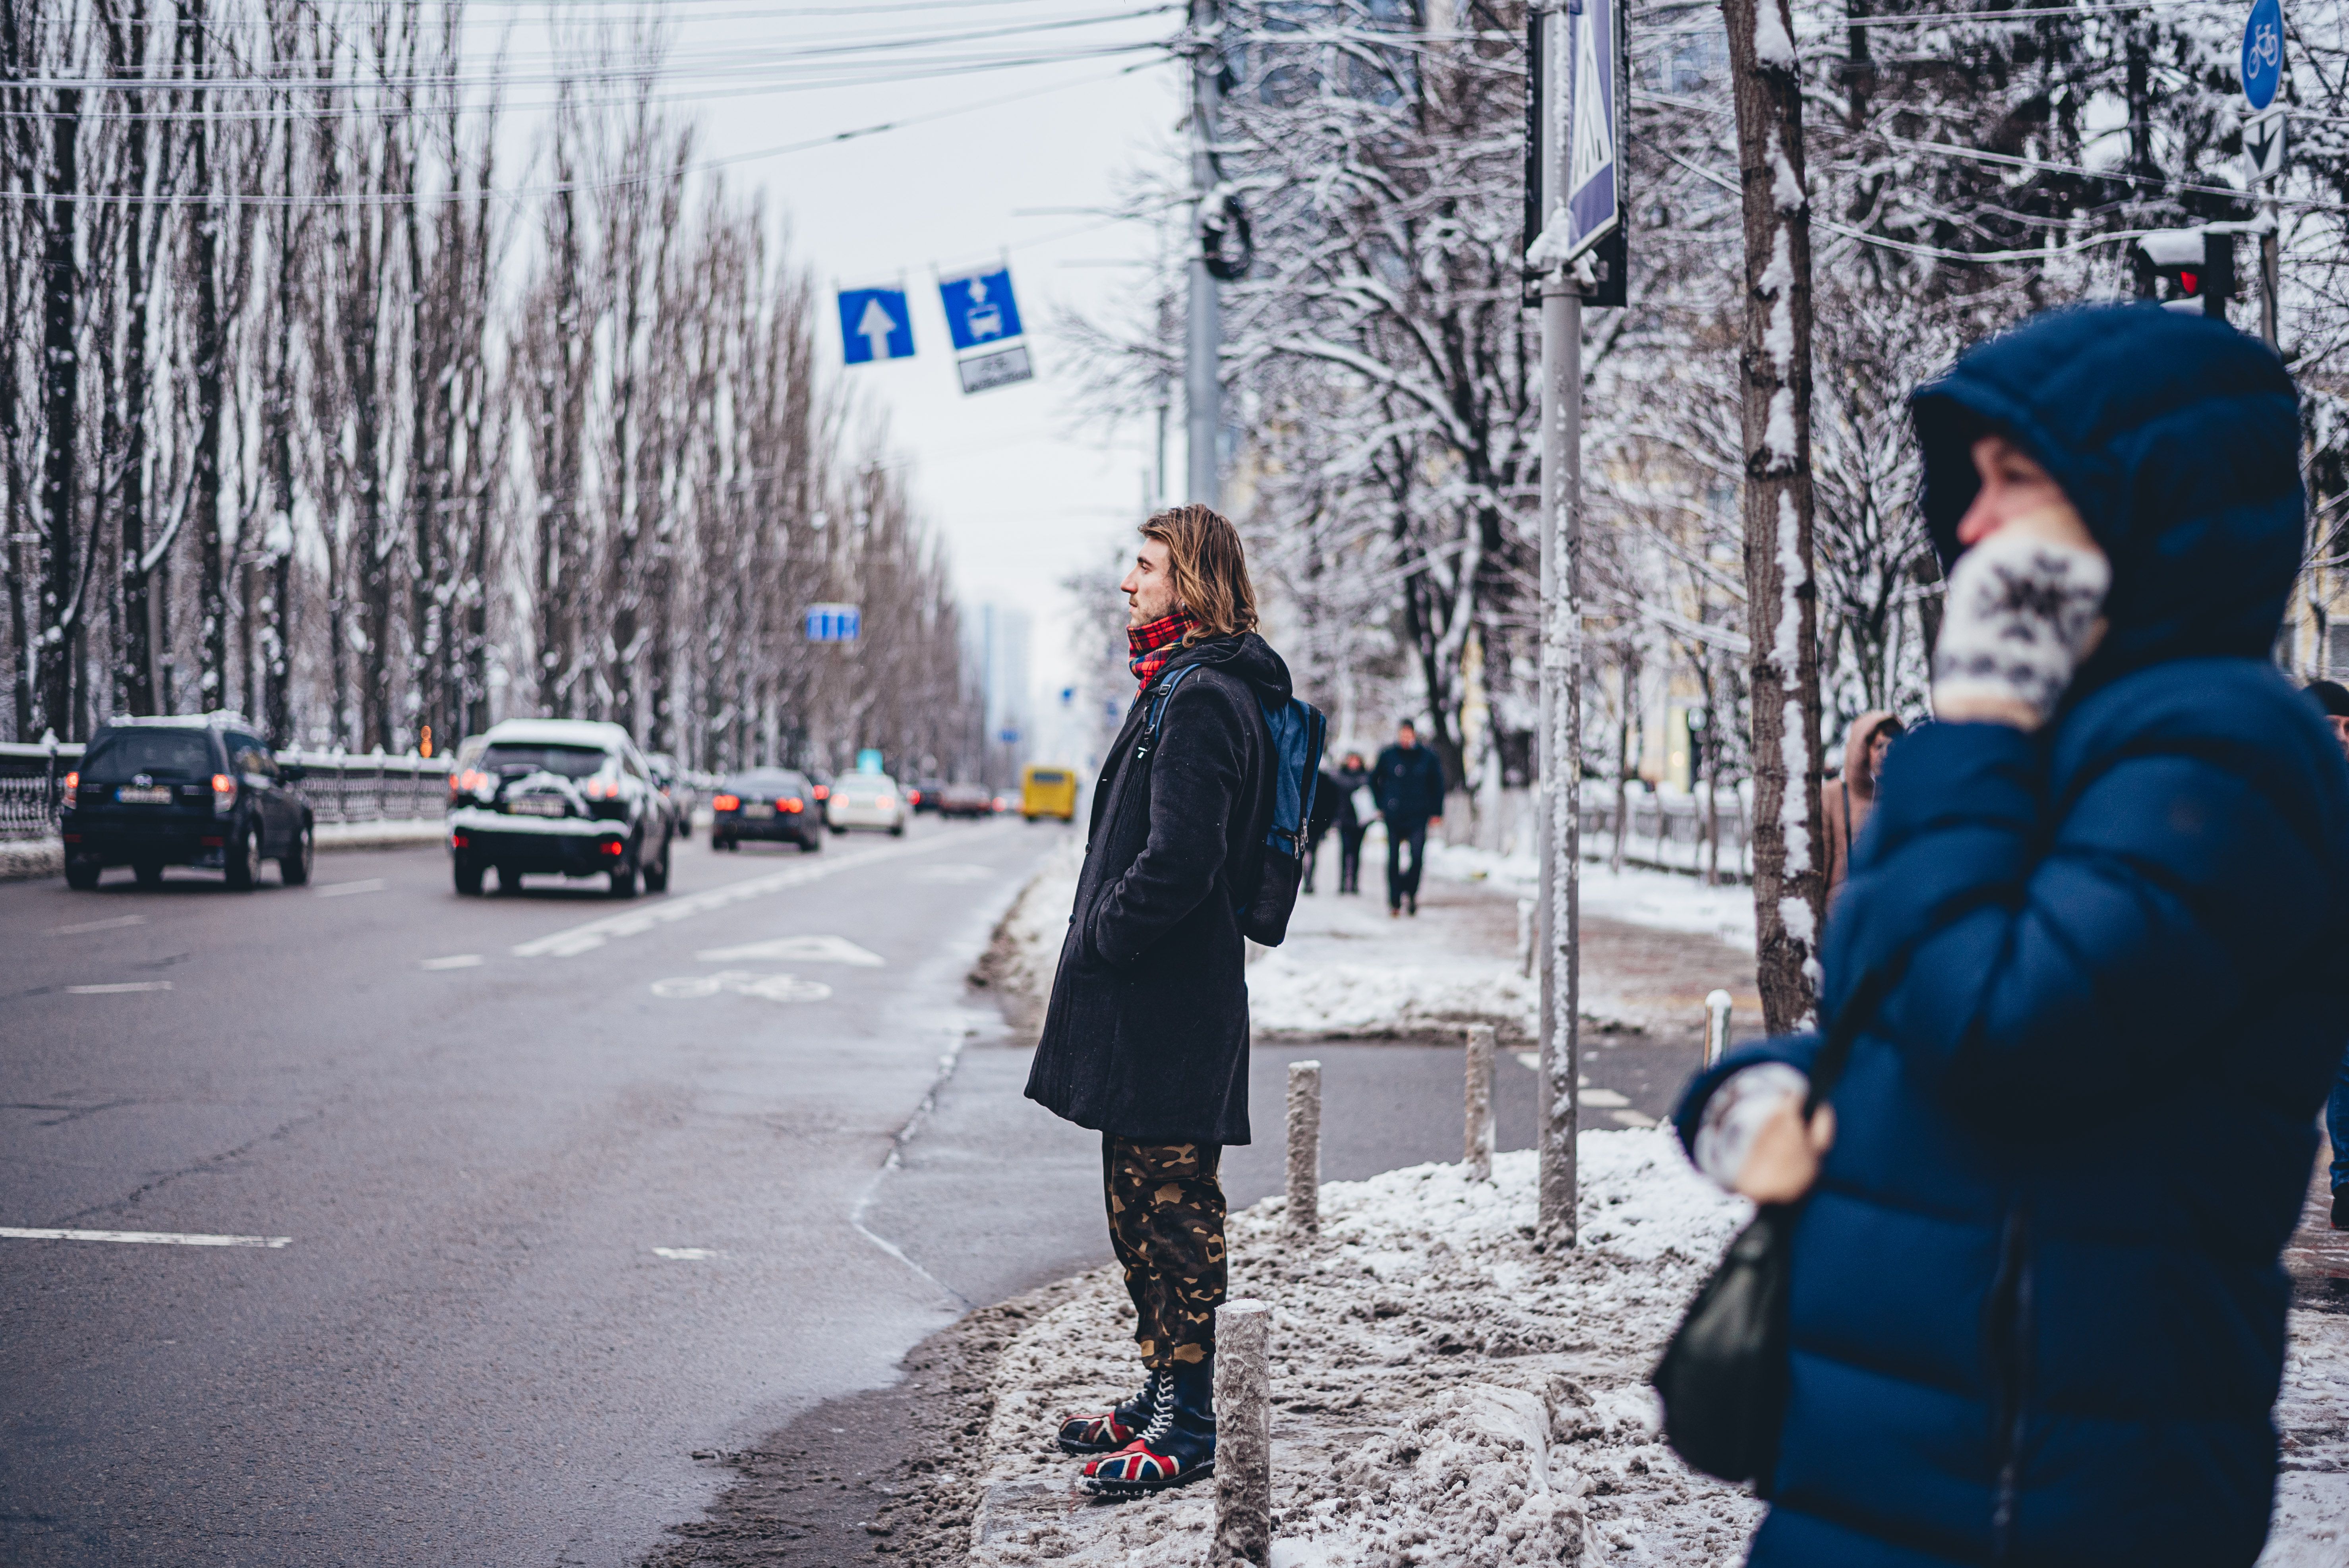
x,y
875,324
983,319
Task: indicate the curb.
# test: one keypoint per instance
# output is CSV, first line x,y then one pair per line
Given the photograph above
x,y
26,860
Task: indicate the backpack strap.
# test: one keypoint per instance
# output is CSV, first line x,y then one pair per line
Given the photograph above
x,y
1157,713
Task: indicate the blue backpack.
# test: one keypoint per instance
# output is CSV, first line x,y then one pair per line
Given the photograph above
x,y
1296,730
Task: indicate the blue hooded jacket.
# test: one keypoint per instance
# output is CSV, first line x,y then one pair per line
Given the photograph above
x,y
2038,1314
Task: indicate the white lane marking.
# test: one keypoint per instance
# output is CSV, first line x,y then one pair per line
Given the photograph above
x,y
686,1254
797,949
1601,1099
161,1238
117,923
1630,1119
119,987
772,987
342,890
1529,1060
456,960
635,921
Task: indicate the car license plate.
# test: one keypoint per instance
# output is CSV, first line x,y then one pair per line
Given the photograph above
x,y
144,795
757,809
538,806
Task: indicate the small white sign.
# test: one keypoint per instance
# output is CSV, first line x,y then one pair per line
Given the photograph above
x,y
984,371
2264,139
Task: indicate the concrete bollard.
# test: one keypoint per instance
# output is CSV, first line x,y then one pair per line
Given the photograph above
x,y
1305,1148
1477,1150
1716,1027
1243,1436
1526,937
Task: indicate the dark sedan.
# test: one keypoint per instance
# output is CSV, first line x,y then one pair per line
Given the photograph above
x,y
766,803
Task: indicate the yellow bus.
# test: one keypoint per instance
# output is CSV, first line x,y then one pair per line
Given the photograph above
x,y
1048,791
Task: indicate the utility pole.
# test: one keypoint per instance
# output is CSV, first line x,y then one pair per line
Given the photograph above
x,y
2271,221
1559,830
1202,386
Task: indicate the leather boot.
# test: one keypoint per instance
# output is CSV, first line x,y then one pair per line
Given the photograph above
x,y
1179,1445
1108,1432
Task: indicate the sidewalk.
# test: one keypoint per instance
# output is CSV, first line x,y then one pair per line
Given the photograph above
x,y
1442,1394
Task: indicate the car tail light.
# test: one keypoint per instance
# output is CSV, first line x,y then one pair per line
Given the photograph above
x,y
612,846
461,842
602,789
223,793
725,802
823,791
791,804
73,782
913,797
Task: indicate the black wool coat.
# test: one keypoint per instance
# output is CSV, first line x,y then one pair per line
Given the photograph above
x,y
1147,1033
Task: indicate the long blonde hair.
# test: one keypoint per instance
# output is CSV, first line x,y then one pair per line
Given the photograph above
x,y
1210,568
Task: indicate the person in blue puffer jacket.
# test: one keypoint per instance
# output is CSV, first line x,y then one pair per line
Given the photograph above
x,y
2037,1313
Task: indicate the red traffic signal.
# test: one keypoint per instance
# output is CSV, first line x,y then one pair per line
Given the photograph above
x,y
2186,269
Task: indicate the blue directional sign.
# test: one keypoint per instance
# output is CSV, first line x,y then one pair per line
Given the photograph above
x,y
875,324
2263,53
980,310
834,623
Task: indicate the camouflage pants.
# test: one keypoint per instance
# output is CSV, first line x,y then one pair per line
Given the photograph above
x,y
1166,1221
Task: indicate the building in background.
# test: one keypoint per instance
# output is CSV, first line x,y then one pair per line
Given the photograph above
x,y
999,653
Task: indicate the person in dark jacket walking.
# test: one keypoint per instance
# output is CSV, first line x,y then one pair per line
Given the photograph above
x,y
1333,807
1407,785
1147,1035
1352,775
2332,699
2038,1314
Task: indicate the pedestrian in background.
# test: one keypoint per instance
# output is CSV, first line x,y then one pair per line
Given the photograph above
x,y
1351,777
1407,785
1146,1039
2333,699
2103,894
1333,807
1845,802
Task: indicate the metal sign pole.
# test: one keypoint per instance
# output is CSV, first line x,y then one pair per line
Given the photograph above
x,y
1202,386
1561,835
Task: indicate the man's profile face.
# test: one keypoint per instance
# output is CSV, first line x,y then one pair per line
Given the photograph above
x,y
1149,588
2340,731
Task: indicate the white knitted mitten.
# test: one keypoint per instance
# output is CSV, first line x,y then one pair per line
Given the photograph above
x,y
2019,617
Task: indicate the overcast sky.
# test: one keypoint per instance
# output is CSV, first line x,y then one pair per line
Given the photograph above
x,y
1020,487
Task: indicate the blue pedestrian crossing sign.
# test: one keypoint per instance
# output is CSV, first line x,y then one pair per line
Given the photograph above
x,y
980,310
875,324
2263,53
834,623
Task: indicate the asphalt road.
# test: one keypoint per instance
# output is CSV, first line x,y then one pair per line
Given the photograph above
x,y
570,1190
478,1122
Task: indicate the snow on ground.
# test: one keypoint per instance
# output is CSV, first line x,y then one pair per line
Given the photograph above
x,y
1346,969
1444,1394
1637,896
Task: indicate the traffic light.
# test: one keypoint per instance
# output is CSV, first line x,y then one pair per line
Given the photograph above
x,y
2186,269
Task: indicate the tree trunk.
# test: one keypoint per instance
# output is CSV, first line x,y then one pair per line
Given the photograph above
x,y
1775,370
61,395
210,374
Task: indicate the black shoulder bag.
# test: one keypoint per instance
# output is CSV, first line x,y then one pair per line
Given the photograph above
x,y
1723,1378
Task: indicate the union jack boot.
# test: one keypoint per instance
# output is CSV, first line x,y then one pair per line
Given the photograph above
x,y
1105,1433
1178,1445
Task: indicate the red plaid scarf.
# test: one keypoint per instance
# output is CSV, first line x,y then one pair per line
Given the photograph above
x,y
1157,643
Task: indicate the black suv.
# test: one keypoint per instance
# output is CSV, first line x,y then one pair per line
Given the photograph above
x,y
559,795
766,803
199,791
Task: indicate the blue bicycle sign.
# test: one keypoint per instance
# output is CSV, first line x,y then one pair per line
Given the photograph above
x,y
2263,53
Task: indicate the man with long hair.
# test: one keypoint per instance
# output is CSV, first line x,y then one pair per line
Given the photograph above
x,y
1146,1036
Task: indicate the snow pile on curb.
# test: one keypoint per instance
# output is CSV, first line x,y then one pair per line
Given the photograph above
x,y
1444,1394
21,860
25,860
1026,951
1297,995
1658,900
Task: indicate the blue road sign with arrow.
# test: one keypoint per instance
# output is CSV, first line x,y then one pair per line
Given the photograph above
x,y
980,310
2263,53
875,324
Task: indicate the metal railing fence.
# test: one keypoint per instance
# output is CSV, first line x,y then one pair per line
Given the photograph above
x,y
336,786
